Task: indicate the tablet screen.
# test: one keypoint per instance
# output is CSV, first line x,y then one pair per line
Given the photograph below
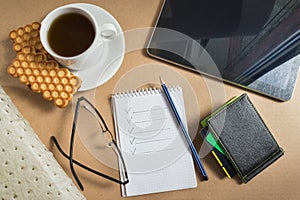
x,y
253,43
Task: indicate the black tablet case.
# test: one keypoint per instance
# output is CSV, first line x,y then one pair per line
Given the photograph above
x,y
245,138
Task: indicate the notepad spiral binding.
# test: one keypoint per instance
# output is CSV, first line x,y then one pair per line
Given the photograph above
x,y
144,91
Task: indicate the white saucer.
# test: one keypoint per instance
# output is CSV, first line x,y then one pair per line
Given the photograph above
x,y
113,52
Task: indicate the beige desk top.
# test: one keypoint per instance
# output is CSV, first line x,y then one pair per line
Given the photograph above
x,y
280,180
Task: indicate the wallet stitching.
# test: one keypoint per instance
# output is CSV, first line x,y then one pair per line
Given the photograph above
x,y
263,162
267,129
220,139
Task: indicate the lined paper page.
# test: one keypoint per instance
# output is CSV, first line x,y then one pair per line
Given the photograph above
x,y
156,154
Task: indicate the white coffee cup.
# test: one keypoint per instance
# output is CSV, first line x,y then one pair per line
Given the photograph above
x,y
88,58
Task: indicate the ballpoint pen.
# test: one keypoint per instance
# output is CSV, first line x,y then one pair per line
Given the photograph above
x,y
186,135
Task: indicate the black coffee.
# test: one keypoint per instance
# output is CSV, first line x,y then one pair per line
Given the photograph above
x,y
71,34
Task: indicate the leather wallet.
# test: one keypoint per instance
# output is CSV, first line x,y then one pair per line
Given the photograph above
x,y
244,137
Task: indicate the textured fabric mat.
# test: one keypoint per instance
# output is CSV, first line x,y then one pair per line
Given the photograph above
x,y
27,169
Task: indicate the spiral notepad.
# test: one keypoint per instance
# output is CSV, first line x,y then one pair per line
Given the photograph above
x,y
156,155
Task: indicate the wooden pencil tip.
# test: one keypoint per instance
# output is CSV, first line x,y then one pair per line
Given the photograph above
x,y
161,80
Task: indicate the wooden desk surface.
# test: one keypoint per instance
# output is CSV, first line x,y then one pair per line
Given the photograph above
x,y
280,180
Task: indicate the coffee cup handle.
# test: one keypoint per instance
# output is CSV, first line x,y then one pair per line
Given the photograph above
x,y
108,31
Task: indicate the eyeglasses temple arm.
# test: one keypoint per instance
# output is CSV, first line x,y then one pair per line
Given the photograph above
x,y
86,167
72,147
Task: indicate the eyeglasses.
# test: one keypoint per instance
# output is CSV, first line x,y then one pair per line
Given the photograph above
x,y
89,120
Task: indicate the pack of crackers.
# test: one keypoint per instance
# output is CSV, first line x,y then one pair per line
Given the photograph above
x,y
38,70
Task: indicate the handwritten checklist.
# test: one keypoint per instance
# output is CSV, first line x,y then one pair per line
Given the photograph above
x,y
156,155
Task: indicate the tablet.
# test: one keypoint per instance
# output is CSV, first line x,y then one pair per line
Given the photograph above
x,y
254,44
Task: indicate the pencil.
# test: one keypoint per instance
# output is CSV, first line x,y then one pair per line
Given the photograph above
x,y
186,135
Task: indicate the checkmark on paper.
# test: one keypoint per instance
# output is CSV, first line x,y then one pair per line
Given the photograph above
x,y
133,151
129,119
131,130
127,110
132,140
